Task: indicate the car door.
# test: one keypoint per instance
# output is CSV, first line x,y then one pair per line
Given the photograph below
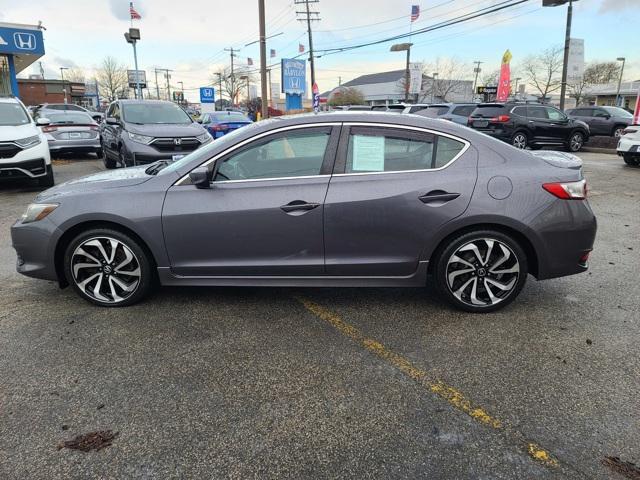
x,y
112,131
538,122
391,191
262,215
559,127
601,123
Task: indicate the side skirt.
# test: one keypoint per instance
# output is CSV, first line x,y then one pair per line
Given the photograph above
x,y
417,279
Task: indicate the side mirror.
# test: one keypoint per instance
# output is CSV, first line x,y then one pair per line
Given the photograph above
x,y
43,122
112,121
200,177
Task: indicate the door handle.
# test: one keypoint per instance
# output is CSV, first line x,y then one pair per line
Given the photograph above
x,y
438,196
298,205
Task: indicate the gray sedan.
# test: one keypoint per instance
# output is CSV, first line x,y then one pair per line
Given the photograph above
x,y
71,132
336,199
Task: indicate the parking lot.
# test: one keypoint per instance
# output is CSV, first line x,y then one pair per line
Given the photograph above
x,y
327,383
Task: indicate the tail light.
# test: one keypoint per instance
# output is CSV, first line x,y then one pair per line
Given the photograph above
x,y
501,118
567,190
95,128
49,128
629,130
220,128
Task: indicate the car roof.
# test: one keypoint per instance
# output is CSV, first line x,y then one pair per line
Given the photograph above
x,y
9,100
130,101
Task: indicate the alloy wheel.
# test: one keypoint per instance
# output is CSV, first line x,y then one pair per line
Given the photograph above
x,y
483,272
576,141
617,133
105,269
519,141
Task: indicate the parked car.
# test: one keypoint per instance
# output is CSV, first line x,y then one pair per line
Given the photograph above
x,y
72,132
456,112
138,132
394,108
43,109
221,123
529,125
629,145
24,152
357,108
414,107
289,202
610,121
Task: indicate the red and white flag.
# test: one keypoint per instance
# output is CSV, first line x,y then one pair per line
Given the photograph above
x,y
504,84
300,48
133,12
636,112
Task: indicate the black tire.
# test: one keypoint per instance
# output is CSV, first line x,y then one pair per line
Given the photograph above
x,y
631,160
143,278
109,163
48,180
482,277
520,140
99,153
122,159
575,142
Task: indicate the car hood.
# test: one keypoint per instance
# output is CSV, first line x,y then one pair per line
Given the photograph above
x,y
162,130
9,133
123,177
559,159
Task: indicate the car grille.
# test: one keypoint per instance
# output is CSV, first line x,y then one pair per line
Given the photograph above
x,y
9,150
187,144
36,167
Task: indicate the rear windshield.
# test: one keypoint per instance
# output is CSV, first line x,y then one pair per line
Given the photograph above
x,y
154,113
488,111
71,117
229,117
618,112
13,114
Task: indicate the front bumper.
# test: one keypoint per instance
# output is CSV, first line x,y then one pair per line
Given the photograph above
x,y
141,154
35,244
27,163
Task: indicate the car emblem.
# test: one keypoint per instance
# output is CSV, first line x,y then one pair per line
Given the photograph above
x,y
177,141
24,41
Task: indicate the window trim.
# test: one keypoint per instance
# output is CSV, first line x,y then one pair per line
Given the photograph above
x,y
341,156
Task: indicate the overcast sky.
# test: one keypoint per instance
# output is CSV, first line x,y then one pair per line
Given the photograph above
x,y
189,36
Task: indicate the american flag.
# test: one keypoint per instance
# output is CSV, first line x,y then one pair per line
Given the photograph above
x,y
415,12
134,13
300,48
249,61
273,53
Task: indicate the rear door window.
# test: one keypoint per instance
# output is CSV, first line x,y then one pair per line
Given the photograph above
x,y
539,113
522,111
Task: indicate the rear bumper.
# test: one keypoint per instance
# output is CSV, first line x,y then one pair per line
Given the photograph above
x,y
83,145
627,145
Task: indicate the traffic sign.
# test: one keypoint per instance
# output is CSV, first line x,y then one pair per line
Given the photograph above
x,y
207,95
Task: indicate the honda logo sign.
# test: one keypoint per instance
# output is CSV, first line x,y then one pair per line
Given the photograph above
x,y
25,41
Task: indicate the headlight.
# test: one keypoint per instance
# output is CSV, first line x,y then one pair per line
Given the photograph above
x,y
37,211
136,137
204,138
29,141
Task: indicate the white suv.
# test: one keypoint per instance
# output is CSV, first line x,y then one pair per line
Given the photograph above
x,y
629,145
24,150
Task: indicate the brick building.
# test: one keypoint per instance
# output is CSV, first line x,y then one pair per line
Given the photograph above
x,y
37,91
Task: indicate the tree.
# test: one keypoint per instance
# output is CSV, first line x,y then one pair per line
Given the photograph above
x,y
451,79
112,79
75,75
346,96
544,71
596,73
490,78
232,85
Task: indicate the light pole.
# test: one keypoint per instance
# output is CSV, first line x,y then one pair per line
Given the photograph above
x,y
64,89
401,47
620,59
132,36
476,70
515,90
433,85
567,37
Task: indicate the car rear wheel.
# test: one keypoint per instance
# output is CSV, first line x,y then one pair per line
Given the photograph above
x,y
519,140
576,141
617,131
108,268
481,271
631,160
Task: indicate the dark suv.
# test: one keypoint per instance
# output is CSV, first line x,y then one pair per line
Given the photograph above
x,y
136,132
610,121
529,125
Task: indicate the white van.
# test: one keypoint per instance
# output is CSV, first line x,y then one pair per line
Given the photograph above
x,y
24,150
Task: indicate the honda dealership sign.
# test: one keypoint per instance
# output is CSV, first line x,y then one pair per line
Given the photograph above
x,y
21,41
294,76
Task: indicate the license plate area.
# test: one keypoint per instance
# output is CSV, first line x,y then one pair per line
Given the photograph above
x,y
481,123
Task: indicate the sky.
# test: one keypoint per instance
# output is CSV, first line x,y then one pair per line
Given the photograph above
x,y
189,37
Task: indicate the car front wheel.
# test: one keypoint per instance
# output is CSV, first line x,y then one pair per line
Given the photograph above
x,y
519,140
576,141
481,271
108,268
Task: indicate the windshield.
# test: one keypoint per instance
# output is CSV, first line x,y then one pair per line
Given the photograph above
x,y
229,117
59,118
154,113
224,141
12,114
618,112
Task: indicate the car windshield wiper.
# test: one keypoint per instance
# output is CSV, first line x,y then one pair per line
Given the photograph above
x,y
157,166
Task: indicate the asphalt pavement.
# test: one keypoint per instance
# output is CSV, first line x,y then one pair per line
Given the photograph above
x,y
332,382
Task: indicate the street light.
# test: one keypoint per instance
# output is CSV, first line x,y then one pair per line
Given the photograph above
x,y
132,36
64,89
620,59
515,89
433,86
401,47
567,36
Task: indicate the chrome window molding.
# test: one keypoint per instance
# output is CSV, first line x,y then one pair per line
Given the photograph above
x,y
466,146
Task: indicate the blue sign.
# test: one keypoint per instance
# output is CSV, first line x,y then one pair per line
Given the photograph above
x,y
21,41
294,76
207,95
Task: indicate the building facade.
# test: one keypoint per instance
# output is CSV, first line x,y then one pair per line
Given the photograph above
x,y
33,91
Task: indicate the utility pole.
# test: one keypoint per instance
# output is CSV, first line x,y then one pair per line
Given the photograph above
x,y
270,92
232,52
339,80
263,61
567,38
476,70
157,86
168,84
219,74
64,88
309,16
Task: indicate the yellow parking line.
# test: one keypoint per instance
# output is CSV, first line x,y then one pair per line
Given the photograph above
x,y
452,395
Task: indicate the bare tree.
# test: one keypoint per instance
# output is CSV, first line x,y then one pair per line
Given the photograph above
x,y
491,78
232,85
596,73
112,79
451,79
544,71
346,96
75,75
